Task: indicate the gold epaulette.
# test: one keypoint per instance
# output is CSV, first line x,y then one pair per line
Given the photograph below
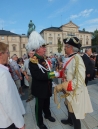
x,y
34,60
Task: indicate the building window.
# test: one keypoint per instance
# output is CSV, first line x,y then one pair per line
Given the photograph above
x,y
23,45
77,35
87,42
50,50
81,41
49,34
58,38
58,34
70,34
2,38
50,40
13,38
14,47
73,33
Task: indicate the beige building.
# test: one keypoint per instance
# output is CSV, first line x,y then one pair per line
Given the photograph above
x,y
16,42
52,34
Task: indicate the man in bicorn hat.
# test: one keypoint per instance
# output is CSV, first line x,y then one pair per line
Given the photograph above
x,y
41,79
76,95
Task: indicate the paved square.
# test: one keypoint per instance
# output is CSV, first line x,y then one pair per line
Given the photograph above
x,y
90,122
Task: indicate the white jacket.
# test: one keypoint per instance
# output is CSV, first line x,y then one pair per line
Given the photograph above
x,y
80,103
11,106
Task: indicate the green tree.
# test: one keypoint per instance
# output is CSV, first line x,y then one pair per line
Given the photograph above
x,y
83,29
95,38
60,45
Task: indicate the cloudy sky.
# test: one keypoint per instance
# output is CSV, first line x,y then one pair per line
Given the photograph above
x,y
16,14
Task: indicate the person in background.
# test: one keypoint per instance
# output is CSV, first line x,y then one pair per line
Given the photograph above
x,y
16,73
60,66
27,74
20,62
48,61
96,65
93,59
11,106
53,60
88,64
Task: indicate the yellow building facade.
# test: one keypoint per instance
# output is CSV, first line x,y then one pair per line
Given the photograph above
x,y
52,34
16,42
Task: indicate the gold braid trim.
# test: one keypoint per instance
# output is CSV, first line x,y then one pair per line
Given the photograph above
x,y
34,60
77,42
76,74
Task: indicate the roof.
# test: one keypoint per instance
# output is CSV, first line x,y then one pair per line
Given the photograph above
x,y
58,29
23,35
69,23
86,32
95,46
52,29
4,32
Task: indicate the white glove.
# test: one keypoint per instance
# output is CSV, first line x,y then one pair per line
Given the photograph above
x,y
56,74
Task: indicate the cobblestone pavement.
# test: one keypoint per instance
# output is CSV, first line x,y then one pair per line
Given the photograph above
x,y
90,122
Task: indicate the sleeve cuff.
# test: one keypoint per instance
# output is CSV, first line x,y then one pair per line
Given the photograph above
x,y
51,75
60,73
69,88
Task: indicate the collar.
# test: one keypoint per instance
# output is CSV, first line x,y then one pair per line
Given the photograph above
x,y
86,54
72,54
39,57
4,67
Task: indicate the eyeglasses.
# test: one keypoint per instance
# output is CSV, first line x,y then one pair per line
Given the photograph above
x,y
6,53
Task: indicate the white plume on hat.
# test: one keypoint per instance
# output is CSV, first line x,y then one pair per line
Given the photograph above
x,y
35,41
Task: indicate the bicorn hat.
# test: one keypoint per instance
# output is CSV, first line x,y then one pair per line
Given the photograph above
x,y
35,41
74,41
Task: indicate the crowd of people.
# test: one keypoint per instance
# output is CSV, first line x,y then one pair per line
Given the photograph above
x,y
37,71
19,67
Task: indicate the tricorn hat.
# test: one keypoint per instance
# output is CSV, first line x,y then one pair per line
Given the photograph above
x,y
74,41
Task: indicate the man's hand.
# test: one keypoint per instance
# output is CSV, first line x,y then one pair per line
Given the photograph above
x,y
22,127
27,77
56,74
20,78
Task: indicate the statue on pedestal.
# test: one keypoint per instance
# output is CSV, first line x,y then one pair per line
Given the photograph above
x,y
31,28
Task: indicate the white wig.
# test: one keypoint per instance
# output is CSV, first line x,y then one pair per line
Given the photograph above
x,y
35,41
